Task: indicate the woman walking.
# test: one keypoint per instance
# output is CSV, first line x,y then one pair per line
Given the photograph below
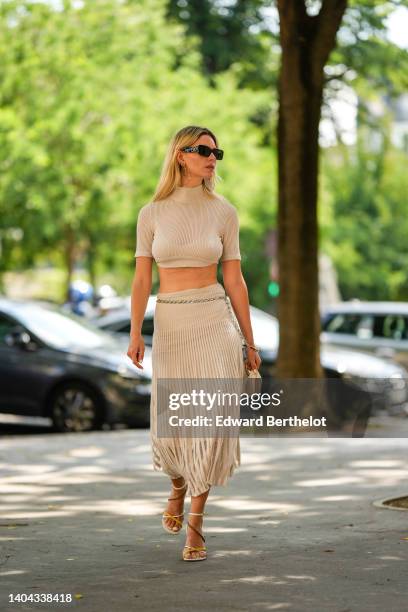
x,y
187,228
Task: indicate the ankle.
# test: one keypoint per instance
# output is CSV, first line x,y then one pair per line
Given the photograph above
x,y
178,484
195,518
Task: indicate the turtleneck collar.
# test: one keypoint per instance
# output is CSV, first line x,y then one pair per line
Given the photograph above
x,y
189,194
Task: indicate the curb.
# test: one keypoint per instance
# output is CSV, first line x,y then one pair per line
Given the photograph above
x,y
380,503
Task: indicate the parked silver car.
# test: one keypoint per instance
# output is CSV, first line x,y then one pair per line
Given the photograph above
x,y
375,327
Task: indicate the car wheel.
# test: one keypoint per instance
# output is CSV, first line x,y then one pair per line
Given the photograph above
x,y
75,407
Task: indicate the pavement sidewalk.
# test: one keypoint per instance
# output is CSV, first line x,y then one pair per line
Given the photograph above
x,y
295,528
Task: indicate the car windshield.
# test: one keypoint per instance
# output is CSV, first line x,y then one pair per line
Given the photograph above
x,y
61,330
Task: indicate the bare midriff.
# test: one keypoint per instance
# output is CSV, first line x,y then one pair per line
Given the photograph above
x,y
178,279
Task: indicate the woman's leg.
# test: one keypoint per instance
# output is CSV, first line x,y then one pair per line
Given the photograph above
x,y
175,506
193,539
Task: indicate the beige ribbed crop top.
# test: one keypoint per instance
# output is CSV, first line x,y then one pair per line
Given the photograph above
x,y
188,228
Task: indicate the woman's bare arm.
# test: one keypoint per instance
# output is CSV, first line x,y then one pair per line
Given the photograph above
x,y
140,292
236,288
141,289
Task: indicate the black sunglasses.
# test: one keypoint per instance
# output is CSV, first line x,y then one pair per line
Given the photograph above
x,y
204,151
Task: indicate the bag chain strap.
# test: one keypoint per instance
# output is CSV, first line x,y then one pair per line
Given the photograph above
x,y
233,318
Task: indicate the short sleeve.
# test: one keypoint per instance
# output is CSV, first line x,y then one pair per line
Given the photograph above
x,y
144,232
231,237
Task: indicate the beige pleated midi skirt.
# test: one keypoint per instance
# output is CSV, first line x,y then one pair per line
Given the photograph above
x,y
195,340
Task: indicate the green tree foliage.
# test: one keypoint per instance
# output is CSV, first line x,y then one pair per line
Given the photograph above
x,y
89,98
244,36
364,220
231,33
91,92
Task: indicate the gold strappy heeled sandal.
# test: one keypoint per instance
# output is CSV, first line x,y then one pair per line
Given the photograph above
x,y
192,548
174,531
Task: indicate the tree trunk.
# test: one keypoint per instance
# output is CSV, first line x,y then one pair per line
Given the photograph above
x,y
306,43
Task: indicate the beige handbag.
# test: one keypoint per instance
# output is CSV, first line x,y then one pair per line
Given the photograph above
x,y
253,373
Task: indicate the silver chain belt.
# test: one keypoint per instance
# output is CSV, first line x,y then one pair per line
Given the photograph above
x,y
181,301
216,297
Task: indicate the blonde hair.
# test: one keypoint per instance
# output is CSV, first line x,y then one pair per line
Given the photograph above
x,y
171,173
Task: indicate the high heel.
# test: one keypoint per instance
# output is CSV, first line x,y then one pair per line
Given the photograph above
x,y
174,516
192,548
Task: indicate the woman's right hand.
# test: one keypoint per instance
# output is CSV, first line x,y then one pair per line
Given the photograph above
x,y
136,350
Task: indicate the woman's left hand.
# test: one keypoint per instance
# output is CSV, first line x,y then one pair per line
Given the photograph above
x,y
253,360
